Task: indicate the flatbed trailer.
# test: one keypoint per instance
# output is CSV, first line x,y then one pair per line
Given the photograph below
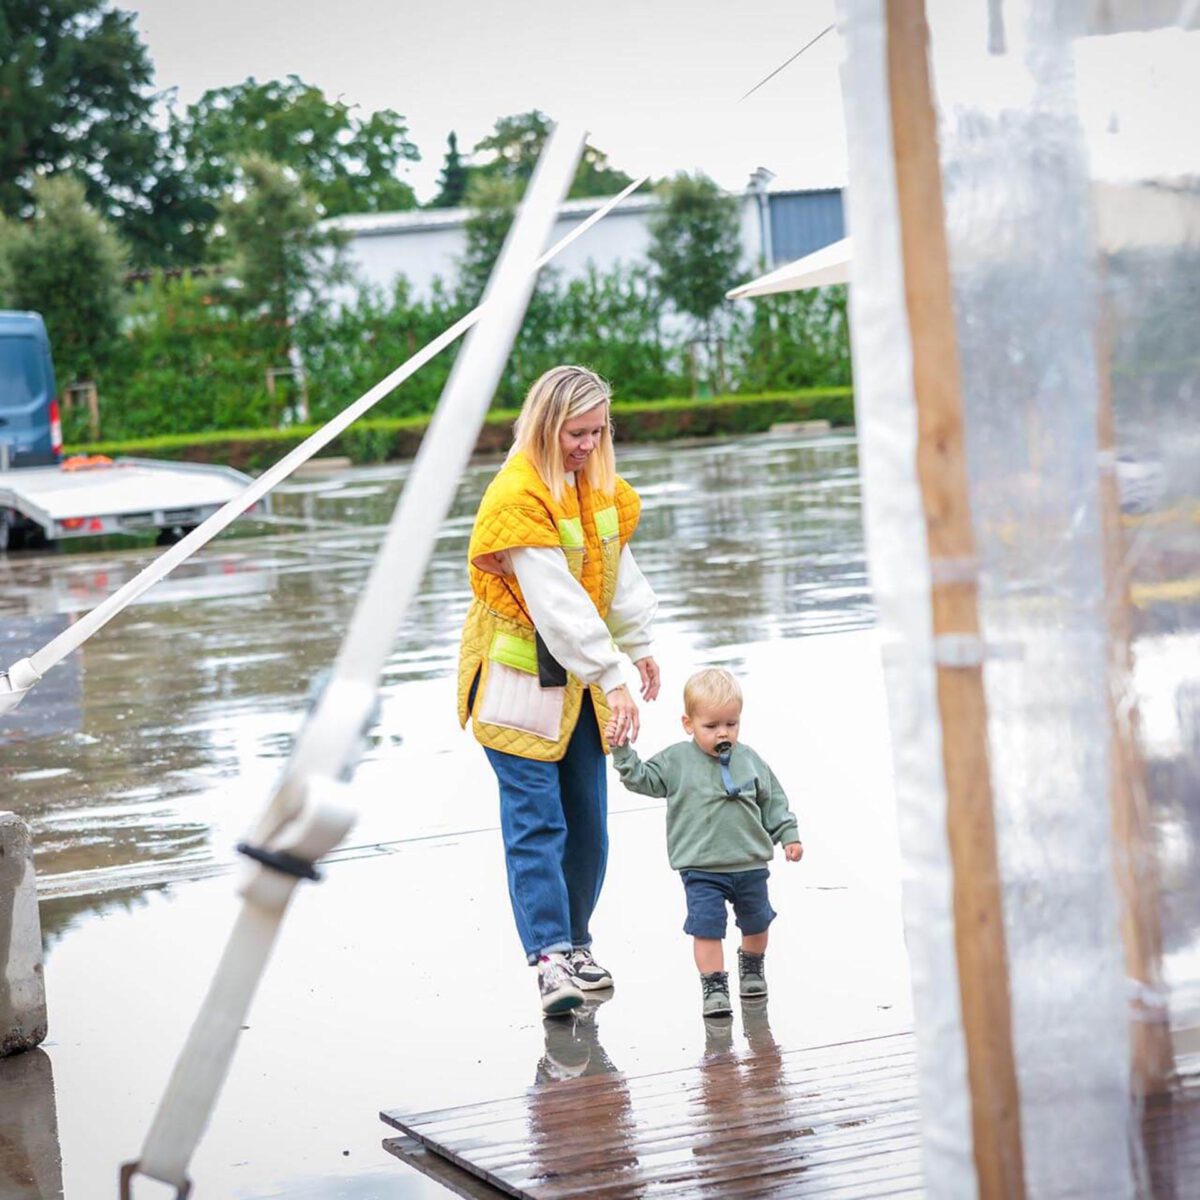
x,y
124,495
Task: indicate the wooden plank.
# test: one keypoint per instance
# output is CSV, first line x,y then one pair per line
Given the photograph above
x,y
452,1177
834,1125
551,1115
838,1122
817,1068
814,1124
962,704
558,1111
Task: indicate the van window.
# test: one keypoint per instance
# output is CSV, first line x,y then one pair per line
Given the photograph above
x,y
22,377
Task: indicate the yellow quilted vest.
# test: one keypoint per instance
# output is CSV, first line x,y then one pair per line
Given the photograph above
x,y
511,712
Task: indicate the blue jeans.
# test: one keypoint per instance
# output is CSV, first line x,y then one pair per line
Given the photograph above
x,y
554,817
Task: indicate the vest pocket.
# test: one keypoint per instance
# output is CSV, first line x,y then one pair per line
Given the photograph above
x,y
512,697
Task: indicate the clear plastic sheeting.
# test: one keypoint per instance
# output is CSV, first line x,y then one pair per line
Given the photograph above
x,y
1139,83
1070,177
900,582
1025,277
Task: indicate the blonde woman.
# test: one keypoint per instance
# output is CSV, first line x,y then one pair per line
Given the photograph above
x,y
557,599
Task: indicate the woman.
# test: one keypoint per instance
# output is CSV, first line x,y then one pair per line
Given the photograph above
x,y
555,593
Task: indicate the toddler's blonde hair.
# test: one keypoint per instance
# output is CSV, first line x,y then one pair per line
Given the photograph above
x,y
712,687
556,397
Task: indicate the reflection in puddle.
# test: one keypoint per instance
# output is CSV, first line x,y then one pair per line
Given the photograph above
x,y
30,1161
191,698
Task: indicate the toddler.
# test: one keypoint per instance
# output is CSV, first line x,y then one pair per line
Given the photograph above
x,y
725,811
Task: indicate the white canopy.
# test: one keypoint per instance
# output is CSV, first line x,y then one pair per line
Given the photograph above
x,y
830,264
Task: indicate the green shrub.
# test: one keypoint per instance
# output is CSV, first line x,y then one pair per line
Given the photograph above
x,y
185,364
384,438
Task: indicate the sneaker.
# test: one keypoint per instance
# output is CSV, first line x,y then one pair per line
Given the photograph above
x,y
589,974
752,978
567,1055
557,985
715,988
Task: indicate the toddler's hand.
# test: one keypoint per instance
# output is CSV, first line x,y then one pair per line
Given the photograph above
x,y
794,851
622,724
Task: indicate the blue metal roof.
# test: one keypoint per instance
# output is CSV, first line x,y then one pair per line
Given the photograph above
x,y
802,222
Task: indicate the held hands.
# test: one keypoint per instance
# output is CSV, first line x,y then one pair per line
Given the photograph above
x,y
623,716
794,851
623,723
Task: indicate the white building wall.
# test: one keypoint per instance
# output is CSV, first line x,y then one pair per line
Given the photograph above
x,y
429,244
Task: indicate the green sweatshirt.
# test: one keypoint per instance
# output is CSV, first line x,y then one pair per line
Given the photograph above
x,y
707,830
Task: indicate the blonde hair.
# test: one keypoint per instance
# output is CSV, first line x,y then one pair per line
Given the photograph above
x,y
712,687
562,393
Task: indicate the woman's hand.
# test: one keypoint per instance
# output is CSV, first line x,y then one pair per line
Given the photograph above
x,y
648,670
794,851
623,717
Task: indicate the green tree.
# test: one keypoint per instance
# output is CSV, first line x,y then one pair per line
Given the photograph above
x,y
282,257
512,149
493,201
793,340
696,247
66,263
452,183
346,162
76,97
609,320
349,349
187,363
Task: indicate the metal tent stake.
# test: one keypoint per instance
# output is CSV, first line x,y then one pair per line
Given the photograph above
x,y
962,704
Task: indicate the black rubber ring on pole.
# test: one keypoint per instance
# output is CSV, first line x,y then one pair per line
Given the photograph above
x,y
281,861
130,1169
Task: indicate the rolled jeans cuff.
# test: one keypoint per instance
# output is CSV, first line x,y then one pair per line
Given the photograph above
x,y
556,948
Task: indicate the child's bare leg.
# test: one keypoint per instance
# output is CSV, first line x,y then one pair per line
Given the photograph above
x,y
754,943
709,955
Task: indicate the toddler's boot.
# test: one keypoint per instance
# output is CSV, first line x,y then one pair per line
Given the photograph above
x,y
715,989
752,978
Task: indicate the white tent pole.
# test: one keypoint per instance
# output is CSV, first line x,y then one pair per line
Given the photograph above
x,y
22,675
311,810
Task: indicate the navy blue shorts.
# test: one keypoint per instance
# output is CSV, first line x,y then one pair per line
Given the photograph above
x,y
708,891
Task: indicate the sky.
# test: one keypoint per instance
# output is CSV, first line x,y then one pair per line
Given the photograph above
x,y
657,82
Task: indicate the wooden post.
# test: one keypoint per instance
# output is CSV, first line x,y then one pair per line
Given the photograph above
x,y
87,389
941,470
1135,861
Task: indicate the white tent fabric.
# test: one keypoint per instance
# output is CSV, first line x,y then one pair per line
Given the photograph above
x,y
830,264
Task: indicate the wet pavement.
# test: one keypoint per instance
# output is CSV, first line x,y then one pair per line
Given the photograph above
x,y
399,982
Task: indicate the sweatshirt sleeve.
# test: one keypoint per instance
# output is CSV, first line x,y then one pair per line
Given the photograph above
x,y
632,609
565,616
778,820
649,778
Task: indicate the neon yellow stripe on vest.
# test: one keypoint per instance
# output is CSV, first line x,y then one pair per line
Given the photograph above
x,y
607,525
570,533
513,651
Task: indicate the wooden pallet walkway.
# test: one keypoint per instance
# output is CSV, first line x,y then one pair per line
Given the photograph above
x,y
835,1122
829,1123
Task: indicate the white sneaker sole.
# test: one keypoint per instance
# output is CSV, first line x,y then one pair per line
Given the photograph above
x,y
597,985
561,1001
